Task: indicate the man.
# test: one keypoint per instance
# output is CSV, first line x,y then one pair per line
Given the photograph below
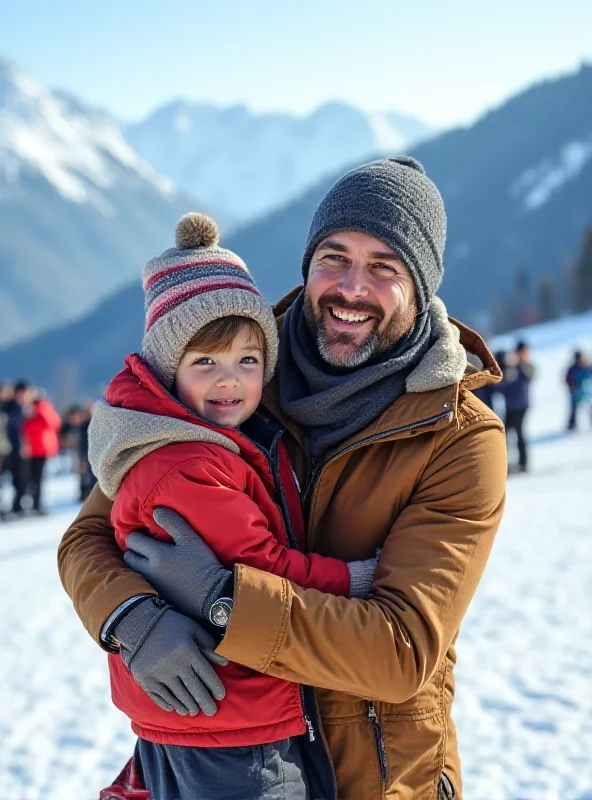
x,y
394,452
578,376
6,393
40,434
87,477
15,411
516,391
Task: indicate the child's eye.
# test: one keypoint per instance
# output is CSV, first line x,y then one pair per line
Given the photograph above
x,y
205,361
249,360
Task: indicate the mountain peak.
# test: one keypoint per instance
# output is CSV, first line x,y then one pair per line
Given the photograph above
x,y
78,150
249,163
79,206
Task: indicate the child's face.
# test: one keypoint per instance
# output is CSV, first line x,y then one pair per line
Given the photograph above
x,y
224,388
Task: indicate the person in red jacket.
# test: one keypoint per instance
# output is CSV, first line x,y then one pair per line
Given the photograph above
x,y
40,432
179,429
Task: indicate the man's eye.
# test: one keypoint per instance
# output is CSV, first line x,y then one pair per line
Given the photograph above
x,y
335,257
249,360
385,268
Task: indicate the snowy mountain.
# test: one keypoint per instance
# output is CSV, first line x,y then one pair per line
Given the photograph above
x,y
534,146
79,209
518,189
517,186
250,163
523,705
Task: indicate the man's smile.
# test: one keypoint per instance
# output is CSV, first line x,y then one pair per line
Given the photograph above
x,y
354,317
341,320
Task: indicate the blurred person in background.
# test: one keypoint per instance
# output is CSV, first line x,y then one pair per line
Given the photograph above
x,y
516,392
5,448
87,476
15,410
491,393
72,419
40,432
579,383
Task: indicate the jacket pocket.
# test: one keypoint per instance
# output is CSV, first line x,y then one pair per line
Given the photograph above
x,y
446,790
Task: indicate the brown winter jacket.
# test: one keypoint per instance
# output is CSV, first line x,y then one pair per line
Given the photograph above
x,y
426,483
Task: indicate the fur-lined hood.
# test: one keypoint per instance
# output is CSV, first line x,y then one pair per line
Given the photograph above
x,y
140,416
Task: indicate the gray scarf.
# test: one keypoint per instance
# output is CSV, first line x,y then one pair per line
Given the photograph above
x,y
334,404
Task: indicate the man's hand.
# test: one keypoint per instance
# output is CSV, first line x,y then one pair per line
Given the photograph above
x,y
171,657
186,573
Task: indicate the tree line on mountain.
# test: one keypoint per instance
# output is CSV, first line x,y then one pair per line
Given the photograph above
x,y
531,300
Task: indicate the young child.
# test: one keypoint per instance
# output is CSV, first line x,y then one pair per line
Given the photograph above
x,y
180,430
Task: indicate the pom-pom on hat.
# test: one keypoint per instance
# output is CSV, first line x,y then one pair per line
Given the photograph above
x,y
191,285
196,230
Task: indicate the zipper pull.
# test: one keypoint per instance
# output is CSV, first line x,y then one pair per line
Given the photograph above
x,y
309,727
375,722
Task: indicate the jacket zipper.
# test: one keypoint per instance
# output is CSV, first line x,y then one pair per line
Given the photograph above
x,y
373,717
309,728
272,456
272,459
311,711
446,790
275,471
376,437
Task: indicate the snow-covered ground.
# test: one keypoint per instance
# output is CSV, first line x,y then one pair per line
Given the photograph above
x,y
524,675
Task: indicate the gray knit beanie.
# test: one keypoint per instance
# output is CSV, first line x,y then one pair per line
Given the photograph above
x,y
394,200
191,285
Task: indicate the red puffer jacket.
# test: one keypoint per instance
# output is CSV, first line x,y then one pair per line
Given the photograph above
x,y
229,495
40,430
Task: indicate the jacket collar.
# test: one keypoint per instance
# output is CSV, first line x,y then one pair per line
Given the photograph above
x,y
141,416
431,400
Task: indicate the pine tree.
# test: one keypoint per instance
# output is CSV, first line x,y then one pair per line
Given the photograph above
x,y
548,301
582,276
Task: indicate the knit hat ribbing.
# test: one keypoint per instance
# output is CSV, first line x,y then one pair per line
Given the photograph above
x,y
394,200
191,285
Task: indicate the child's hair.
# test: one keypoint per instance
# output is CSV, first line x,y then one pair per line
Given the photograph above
x,y
218,336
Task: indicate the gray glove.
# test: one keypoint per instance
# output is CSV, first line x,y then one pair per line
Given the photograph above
x,y
171,657
361,576
186,573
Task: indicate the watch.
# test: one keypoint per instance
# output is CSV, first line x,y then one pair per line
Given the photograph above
x,y
108,630
220,611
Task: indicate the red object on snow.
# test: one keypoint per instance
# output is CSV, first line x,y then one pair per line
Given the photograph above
x,y
41,429
126,786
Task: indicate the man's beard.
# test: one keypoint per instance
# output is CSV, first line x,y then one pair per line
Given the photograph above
x,y
377,342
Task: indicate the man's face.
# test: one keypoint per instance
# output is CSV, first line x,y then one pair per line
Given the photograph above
x,y
359,299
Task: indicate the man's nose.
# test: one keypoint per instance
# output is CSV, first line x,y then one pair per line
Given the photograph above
x,y
354,281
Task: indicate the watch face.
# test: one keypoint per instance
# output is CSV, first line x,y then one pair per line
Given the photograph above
x,y
220,612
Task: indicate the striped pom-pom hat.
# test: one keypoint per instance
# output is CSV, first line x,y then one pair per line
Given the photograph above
x,y
191,285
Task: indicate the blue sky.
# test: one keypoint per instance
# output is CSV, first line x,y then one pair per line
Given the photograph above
x,y
445,62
